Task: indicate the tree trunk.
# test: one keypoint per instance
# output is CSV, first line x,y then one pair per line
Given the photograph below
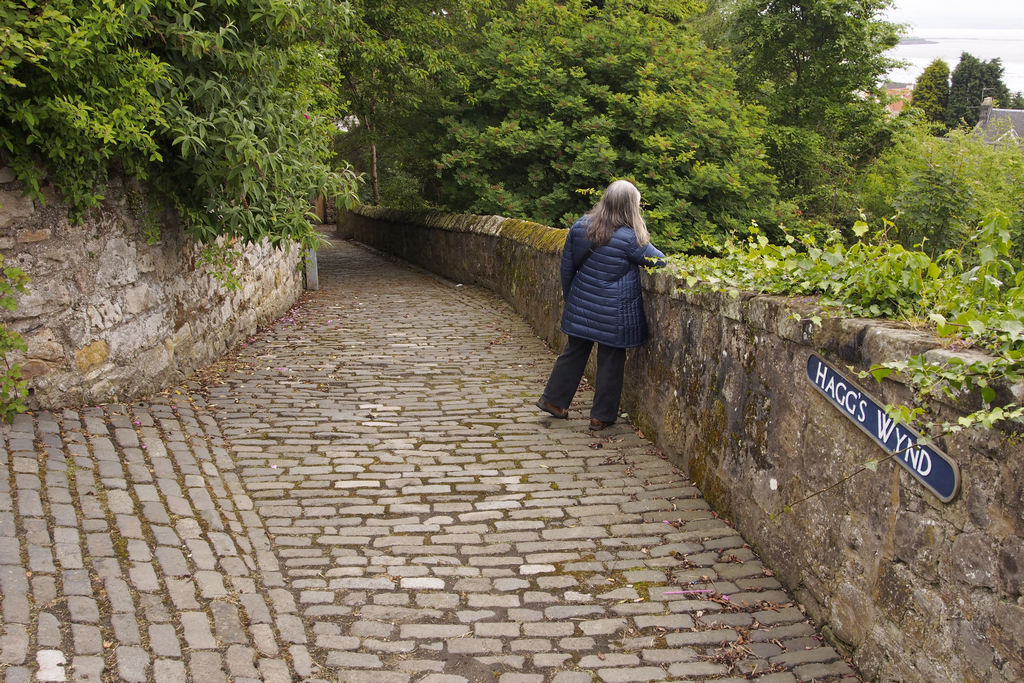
x,y
373,174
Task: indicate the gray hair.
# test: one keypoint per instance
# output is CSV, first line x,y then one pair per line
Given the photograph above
x,y
619,205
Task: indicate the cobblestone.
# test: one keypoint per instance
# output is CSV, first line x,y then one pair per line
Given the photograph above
x,y
364,492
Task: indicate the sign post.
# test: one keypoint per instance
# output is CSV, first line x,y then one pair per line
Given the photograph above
x,y
312,273
930,466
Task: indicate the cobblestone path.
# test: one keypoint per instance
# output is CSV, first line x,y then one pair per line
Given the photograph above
x,y
365,492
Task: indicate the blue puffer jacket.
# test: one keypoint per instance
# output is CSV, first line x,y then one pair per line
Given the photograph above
x,y
602,291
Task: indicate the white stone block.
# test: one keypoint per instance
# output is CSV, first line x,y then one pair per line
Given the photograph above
x,y
51,665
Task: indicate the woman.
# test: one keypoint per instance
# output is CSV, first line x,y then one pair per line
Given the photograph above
x,y
601,285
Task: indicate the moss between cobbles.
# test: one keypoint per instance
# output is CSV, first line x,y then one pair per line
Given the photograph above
x,y
643,588
71,469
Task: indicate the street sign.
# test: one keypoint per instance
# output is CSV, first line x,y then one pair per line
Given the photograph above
x,y
930,466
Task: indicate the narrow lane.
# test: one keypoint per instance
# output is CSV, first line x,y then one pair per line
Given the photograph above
x,y
365,492
427,518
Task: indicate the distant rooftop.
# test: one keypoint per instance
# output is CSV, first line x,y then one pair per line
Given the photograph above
x,y
1000,124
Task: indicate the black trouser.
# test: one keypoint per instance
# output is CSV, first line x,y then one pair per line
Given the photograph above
x,y
568,371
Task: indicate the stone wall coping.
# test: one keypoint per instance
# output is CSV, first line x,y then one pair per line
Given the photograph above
x,y
535,234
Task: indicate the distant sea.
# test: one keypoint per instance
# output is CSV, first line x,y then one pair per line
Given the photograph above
x,y
924,45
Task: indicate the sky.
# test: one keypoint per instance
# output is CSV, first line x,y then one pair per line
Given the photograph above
x,y
999,14
985,28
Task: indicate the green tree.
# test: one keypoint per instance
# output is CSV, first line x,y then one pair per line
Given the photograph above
x,y
394,57
562,98
971,82
931,92
247,143
207,100
816,65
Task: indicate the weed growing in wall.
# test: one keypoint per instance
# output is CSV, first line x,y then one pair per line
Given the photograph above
x,y
220,262
13,389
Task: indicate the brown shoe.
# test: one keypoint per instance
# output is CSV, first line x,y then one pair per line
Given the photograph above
x,y
597,425
549,407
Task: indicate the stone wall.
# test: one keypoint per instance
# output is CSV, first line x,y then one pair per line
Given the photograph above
x,y
110,315
915,589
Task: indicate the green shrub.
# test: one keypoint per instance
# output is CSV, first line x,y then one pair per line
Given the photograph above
x,y
940,187
563,98
77,94
213,102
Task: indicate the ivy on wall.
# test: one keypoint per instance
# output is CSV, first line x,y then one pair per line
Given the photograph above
x,y
972,297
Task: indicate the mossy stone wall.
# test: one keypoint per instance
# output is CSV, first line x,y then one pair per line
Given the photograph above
x,y
915,589
114,311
